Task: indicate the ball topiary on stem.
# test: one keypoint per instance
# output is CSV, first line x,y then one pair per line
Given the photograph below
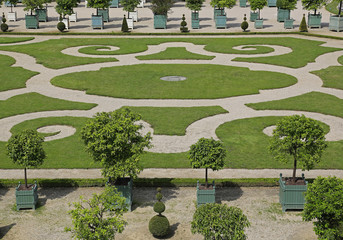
x,y
183,27
244,24
4,26
159,225
303,25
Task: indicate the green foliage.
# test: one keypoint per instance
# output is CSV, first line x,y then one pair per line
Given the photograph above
x,y
65,7
219,221
244,24
194,5
12,2
113,139
313,4
221,4
102,4
303,25
300,137
258,4
159,207
324,205
61,26
161,7
4,26
100,217
31,5
129,5
183,27
159,226
286,4
124,26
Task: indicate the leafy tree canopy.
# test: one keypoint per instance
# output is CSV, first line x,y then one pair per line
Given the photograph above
x,y
31,5
324,205
161,7
313,4
100,217
219,221
114,140
257,4
223,3
286,4
99,4
194,5
129,5
65,7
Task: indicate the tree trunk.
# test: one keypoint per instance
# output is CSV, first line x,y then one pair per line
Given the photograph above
x,y
206,178
340,8
259,14
315,11
25,177
294,168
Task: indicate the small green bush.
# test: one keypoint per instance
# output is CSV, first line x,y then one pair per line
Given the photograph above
x,y
124,26
159,226
61,26
303,25
183,27
159,207
244,24
4,26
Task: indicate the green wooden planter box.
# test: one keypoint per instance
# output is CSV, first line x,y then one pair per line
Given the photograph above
x,y
206,196
195,20
97,21
336,23
114,3
259,23
31,21
271,3
42,14
26,198
283,14
216,12
221,21
253,16
242,3
104,13
160,21
126,191
288,23
314,21
292,196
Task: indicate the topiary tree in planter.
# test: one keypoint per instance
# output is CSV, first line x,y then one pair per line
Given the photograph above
x,y
313,20
32,5
195,6
258,5
160,10
324,205
219,221
283,9
336,21
159,225
222,4
98,217
101,7
130,6
66,7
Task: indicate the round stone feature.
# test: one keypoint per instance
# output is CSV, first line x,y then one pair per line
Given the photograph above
x,y
173,78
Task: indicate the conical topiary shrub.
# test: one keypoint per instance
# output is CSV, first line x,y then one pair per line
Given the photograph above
x,y
183,27
244,24
124,27
159,225
303,25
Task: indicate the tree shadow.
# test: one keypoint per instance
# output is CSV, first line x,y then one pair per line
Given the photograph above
x,y
3,192
53,193
5,229
228,194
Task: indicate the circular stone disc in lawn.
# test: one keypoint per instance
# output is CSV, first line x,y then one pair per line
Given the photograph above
x,y
61,131
173,78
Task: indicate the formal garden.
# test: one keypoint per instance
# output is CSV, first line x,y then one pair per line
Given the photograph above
x,y
125,104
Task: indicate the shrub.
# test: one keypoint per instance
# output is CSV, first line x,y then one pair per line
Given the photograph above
x,y
303,25
183,27
159,225
244,24
61,26
124,27
4,26
159,207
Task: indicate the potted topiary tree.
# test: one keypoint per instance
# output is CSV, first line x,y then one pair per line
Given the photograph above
x,y
336,21
66,7
130,6
219,11
26,150
195,6
159,225
31,21
42,12
284,8
254,5
313,20
207,153
303,139
102,13
12,16
160,10
114,140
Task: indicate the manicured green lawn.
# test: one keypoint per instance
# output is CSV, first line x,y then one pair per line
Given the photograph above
x,y
332,76
12,77
174,120
203,81
4,40
34,102
175,53
49,53
310,102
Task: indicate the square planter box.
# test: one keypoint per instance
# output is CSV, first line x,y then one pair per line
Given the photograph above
x,y
253,16
195,20
259,23
73,17
26,198
133,15
42,14
314,20
104,13
242,3
206,195
217,12
114,3
292,196
283,14
97,21
31,21
288,23
160,21
66,22
12,16
124,187
336,23
129,23
271,3
221,21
